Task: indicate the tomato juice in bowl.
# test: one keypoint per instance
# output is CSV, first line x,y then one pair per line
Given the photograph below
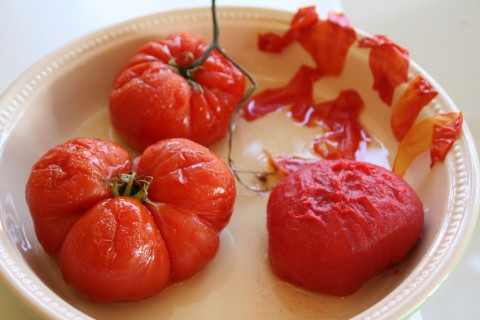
x,y
35,118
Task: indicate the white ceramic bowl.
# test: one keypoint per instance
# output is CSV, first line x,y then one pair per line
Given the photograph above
x,y
66,95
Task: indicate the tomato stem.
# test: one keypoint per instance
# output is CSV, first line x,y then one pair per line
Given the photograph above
x,y
215,45
188,74
130,185
248,93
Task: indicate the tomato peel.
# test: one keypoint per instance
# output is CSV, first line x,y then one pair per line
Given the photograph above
x,y
298,91
287,163
436,133
416,96
389,64
339,117
327,41
303,19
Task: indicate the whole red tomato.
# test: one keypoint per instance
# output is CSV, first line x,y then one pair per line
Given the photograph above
x,y
88,214
155,95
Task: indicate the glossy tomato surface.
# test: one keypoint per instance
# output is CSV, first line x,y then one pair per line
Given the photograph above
x,y
66,181
335,223
113,247
114,252
193,192
152,99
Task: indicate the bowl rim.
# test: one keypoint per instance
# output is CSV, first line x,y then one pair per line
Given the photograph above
x,y
39,301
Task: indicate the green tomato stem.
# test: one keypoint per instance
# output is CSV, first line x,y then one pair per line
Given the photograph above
x,y
188,74
130,185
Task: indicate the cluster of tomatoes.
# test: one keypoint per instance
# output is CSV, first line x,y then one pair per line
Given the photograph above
x,y
124,229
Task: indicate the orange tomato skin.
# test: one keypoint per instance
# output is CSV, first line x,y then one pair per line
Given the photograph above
x,y
150,101
68,180
114,252
335,223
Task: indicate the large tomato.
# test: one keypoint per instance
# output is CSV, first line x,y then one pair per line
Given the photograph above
x,y
335,223
155,96
118,248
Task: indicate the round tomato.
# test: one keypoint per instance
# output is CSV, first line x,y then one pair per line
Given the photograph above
x,y
113,247
154,96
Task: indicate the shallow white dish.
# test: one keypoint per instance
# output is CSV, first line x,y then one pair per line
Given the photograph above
x,y
66,95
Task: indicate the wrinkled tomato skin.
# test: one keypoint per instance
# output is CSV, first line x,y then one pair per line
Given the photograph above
x,y
114,252
68,180
190,176
193,192
190,241
335,223
151,101
116,248
137,112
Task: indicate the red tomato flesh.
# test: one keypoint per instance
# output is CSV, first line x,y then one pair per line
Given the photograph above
x,y
335,223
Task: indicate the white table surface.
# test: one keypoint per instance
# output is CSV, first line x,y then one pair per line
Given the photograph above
x,y
443,36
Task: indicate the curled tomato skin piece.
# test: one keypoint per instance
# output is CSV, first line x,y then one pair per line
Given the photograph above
x,y
66,181
339,117
443,138
287,163
114,252
416,96
327,41
297,94
152,100
301,22
437,133
389,64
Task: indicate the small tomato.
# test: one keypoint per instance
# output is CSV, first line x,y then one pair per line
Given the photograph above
x,y
155,96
